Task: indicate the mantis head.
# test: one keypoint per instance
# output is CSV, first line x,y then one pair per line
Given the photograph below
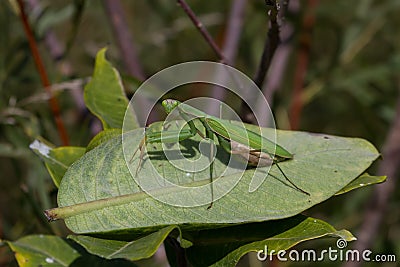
x,y
170,104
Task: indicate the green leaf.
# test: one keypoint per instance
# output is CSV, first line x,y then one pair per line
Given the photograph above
x,y
104,95
102,137
362,181
57,160
229,244
43,250
47,250
141,248
99,195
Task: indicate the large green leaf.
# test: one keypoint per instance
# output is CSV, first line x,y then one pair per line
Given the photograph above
x,y
104,95
99,195
43,250
57,160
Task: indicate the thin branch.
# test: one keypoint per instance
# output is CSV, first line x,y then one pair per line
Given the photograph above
x,y
377,207
71,85
202,30
271,43
43,74
124,38
273,82
279,62
271,46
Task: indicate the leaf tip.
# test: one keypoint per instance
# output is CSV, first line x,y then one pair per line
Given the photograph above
x,y
51,215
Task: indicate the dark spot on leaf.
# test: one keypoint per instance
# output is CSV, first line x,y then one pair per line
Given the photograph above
x,y
326,137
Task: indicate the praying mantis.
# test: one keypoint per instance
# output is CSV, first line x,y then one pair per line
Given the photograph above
x,y
234,138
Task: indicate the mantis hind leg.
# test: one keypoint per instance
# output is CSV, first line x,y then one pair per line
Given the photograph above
x,y
210,135
140,147
293,184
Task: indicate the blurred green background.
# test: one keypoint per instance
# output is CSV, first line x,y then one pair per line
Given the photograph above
x,y
350,88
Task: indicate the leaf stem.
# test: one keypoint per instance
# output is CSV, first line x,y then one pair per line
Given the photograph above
x,y
77,209
73,210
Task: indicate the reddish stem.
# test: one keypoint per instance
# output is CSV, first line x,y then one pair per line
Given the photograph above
x,y
302,64
43,74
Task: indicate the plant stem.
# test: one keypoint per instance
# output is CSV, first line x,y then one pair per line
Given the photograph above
x,y
73,210
302,65
43,74
202,30
271,43
98,204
